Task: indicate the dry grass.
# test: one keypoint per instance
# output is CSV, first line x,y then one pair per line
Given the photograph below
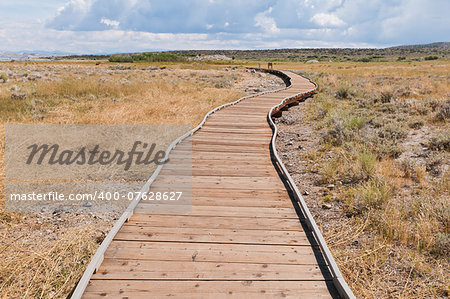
x,y
43,255
385,143
49,268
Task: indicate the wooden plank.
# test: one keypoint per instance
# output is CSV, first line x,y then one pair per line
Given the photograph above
x,y
130,232
222,117
241,193
212,135
208,289
169,270
173,183
263,131
219,162
282,202
143,220
229,211
209,155
221,120
233,141
226,172
241,124
204,181
241,148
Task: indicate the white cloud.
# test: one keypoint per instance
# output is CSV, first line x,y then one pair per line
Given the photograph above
x,y
95,26
110,23
327,20
267,23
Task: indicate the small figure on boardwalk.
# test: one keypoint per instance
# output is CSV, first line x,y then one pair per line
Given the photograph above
x,y
270,65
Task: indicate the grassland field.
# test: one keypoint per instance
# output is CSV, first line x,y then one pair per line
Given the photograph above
x,y
376,160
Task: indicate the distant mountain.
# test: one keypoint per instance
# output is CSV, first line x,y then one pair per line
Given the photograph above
x,y
423,46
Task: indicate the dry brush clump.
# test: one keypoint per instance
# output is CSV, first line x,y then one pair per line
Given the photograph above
x,y
384,143
49,268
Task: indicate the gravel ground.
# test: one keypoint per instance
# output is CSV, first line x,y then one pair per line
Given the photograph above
x,y
297,138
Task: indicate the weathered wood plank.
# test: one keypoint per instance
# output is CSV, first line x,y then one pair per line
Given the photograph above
x,y
229,211
169,270
201,252
208,289
143,219
130,232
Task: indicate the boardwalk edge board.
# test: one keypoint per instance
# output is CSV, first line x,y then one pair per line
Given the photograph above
x,y
338,280
98,257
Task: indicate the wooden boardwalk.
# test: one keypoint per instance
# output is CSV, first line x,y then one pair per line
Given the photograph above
x,y
243,237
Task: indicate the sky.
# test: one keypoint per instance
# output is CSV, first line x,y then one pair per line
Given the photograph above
x,y
117,26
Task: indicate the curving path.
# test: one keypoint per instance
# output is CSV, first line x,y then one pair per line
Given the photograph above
x,y
244,237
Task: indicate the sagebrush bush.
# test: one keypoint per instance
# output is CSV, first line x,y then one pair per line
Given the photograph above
x,y
416,123
4,77
393,130
443,113
433,163
412,170
442,244
386,96
335,135
355,122
440,142
343,92
372,195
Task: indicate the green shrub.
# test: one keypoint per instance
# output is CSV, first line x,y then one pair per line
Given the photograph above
x,y
442,244
364,59
146,57
367,161
4,77
372,195
433,163
389,149
386,96
335,135
120,58
431,57
416,123
355,122
443,113
393,130
440,142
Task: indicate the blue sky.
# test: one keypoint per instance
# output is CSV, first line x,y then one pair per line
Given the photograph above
x,y
112,26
